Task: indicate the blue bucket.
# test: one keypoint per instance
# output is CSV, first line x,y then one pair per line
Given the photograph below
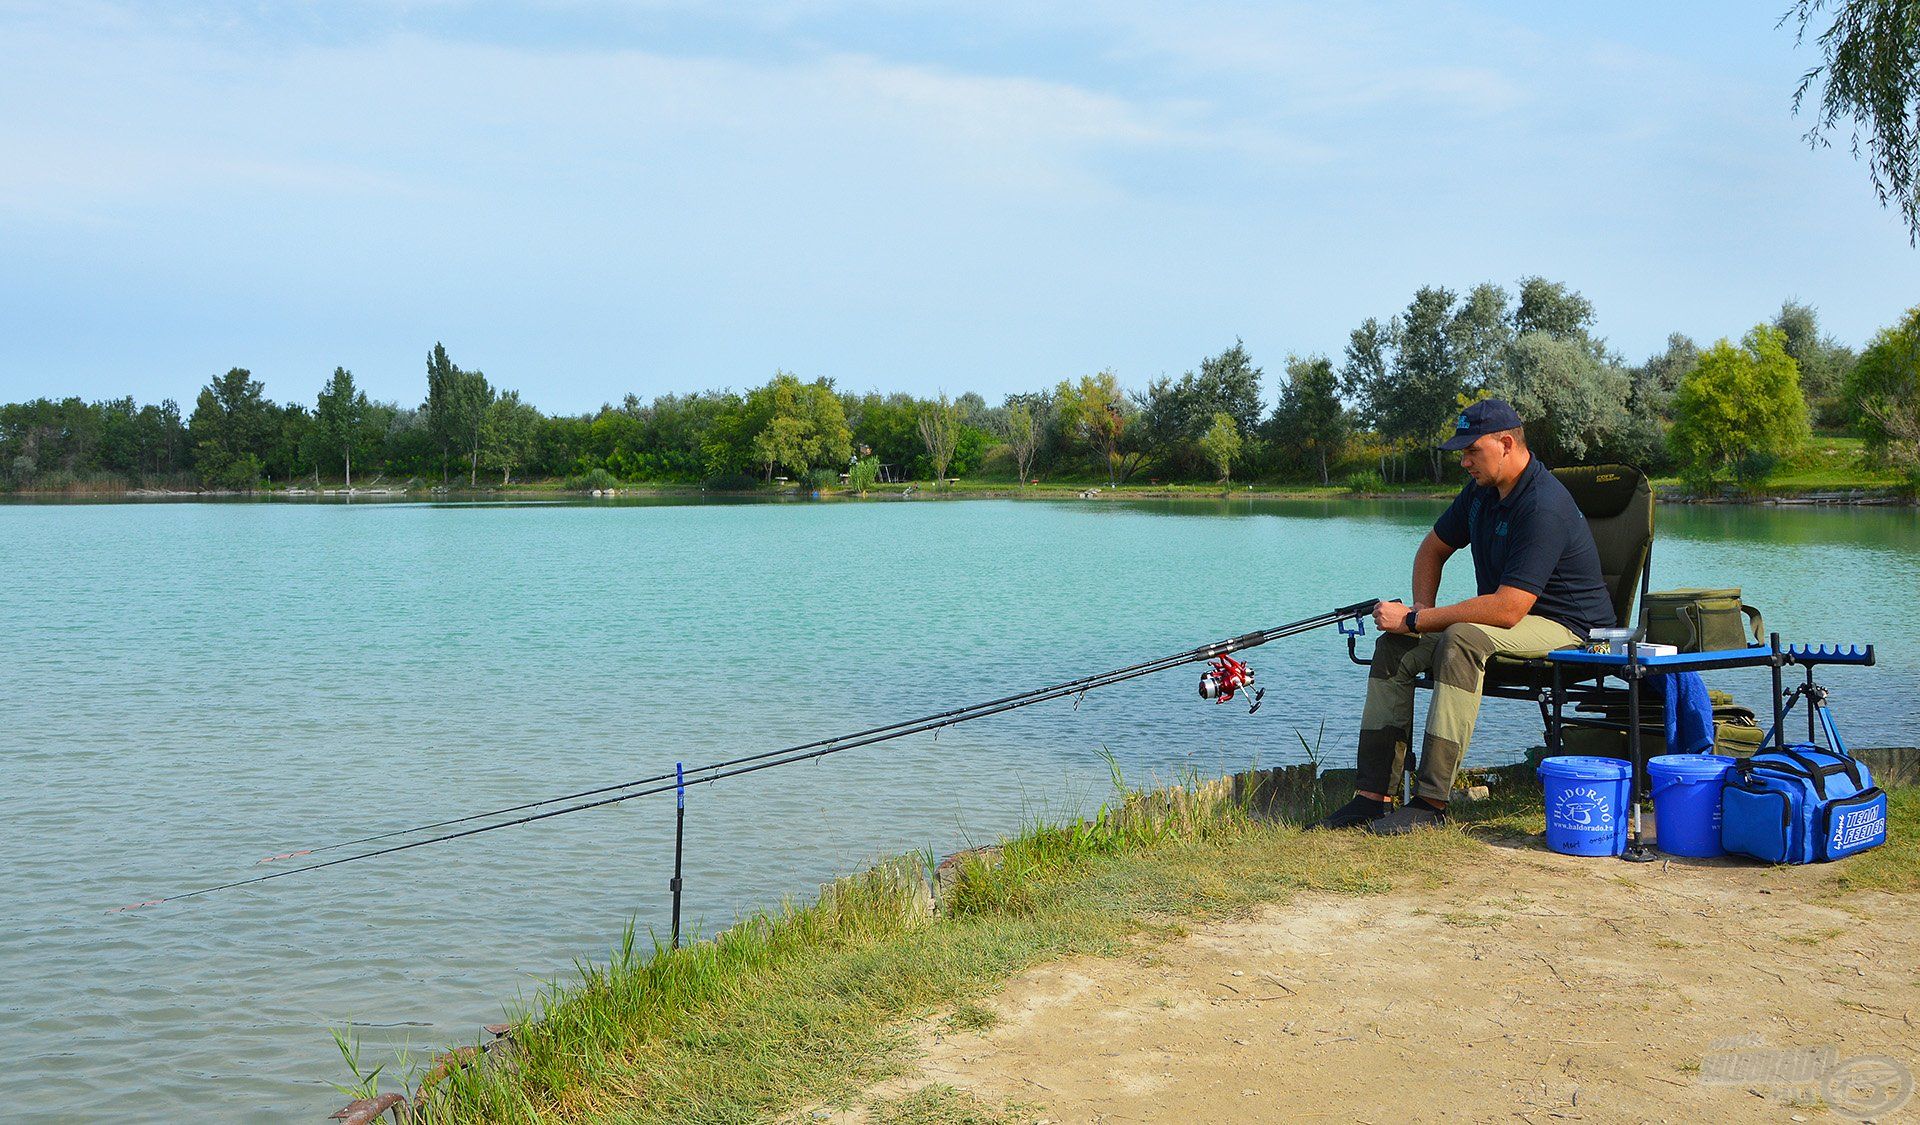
x,y
1589,801
1686,802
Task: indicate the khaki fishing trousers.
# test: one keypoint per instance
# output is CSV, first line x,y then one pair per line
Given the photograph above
x,y
1457,657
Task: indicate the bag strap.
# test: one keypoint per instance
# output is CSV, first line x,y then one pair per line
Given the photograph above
x,y
1814,771
1685,613
1759,625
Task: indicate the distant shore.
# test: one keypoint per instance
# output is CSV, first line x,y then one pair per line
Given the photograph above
x,y
1865,494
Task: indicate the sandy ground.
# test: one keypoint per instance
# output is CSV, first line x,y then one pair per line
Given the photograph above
x,y
1532,987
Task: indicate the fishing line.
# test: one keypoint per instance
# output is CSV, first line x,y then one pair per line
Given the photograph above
x,y
754,763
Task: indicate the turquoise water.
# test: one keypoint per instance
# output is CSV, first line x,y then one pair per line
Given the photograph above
x,y
186,688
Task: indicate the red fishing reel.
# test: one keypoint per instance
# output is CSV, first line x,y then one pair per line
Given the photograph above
x,y
1225,677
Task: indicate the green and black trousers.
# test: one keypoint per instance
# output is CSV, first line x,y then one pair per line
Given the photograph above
x,y
1457,657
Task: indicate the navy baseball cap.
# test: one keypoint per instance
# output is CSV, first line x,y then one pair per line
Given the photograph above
x,y
1488,416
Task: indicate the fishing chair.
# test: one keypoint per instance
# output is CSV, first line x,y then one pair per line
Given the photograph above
x,y
1618,503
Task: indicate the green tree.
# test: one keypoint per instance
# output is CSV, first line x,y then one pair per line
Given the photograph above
x,y
1221,443
456,407
1550,307
469,398
1173,414
1096,412
442,418
1230,382
1869,74
1739,410
1482,333
1823,361
1310,416
797,425
1883,389
1023,437
340,417
1366,378
939,424
231,428
1573,397
1650,401
511,434
1427,377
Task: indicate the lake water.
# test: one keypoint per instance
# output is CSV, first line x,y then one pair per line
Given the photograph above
x,y
185,688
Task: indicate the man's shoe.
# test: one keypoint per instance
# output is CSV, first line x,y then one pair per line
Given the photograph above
x,y
1407,818
1355,813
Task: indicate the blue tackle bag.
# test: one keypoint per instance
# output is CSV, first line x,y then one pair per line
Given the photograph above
x,y
1802,804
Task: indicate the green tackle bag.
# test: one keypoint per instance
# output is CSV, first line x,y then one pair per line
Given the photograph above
x,y
1701,620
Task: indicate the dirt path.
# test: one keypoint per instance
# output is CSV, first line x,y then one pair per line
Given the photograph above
x,y
1530,988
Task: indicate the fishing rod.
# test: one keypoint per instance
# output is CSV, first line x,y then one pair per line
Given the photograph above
x,y
1214,686
1219,683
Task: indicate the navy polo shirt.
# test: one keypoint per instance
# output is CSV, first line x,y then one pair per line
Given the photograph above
x,y
1535,540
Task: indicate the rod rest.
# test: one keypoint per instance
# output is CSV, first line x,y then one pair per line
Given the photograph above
x,y
1810,655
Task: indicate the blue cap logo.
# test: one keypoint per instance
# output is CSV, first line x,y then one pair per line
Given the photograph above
x,y
1462,423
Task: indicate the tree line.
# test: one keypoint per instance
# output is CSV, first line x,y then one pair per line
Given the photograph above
x,y
1727,413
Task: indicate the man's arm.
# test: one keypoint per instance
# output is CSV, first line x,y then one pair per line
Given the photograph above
x,y
1503,608
1428,561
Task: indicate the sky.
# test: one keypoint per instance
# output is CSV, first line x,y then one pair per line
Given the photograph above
x,y
587,199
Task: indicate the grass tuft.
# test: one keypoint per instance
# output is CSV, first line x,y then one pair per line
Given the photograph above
x,y
943,1105
807,1004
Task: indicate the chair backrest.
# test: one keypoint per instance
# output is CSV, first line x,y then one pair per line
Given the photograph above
x,y
1618,503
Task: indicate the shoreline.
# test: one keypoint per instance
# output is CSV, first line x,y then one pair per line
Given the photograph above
x,y
1851,497
907,978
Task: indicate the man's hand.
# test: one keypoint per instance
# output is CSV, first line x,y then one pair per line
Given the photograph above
x,y
1390,617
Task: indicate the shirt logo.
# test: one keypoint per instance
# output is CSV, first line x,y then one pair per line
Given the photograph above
x,y
1501,528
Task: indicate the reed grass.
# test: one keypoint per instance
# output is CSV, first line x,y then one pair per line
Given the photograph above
x,y
805,1004
809,1004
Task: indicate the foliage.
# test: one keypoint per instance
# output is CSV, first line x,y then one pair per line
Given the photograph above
x,y
1869,74
1427,376
1651,387
939,426
593,480
1221,443
1482,333
510,434
1096,411
1824,362
1574,400
344,423
1174,415
1738,410
797,426
1023,435
1310,416
1368,481
1884,390
1552,308
862,473
232,423
1393,394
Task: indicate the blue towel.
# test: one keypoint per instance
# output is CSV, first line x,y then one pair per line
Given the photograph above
x,y
1689,713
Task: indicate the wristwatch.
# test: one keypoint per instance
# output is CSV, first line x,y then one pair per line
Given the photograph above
x,y
1413,617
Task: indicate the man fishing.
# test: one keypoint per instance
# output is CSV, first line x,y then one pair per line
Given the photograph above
x,y
1538,575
